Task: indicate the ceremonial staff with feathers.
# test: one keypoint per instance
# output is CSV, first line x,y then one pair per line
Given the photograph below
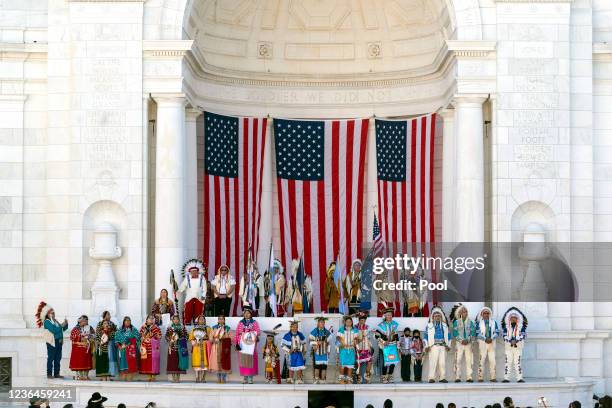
x,y
175,288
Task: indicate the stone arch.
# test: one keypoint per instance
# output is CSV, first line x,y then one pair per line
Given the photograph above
x,y
111,212
536,216
533,212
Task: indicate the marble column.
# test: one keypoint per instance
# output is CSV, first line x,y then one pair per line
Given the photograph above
x,y
467,178
267,204
469,169
191,182
170,171
448,174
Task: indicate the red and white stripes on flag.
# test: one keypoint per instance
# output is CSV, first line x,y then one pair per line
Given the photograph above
x,y
320,178
234,153
405,166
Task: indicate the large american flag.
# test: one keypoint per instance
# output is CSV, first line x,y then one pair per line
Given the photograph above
x,y
405,164
320,176
234,151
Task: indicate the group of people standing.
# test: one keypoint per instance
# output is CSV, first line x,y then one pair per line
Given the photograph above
x,y
125,350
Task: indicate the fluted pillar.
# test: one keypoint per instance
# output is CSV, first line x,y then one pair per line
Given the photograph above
x,y
469,169
191,182
170,173
448,174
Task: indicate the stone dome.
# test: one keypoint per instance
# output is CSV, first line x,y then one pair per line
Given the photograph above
x,y
290,39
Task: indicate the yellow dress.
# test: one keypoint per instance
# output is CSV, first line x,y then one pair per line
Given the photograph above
x,y
199,338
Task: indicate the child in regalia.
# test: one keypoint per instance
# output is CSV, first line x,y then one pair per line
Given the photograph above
x,y
320,348
364,349
199,337
417,350
294,345
178,354
271,357
347,339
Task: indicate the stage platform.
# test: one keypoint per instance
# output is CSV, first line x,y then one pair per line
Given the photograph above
x,y
558,393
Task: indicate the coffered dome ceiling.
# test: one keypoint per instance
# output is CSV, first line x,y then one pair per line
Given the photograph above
x,y
322,38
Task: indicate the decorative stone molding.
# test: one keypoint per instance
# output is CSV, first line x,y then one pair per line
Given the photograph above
x,y
374,50
202,70
166,48
264,50
471,49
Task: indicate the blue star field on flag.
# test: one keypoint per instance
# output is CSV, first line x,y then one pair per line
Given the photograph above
x,y
299,149
391,149
221,146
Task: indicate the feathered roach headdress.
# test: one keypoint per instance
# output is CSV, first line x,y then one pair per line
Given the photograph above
x,y
41,313
387,309
454,314
437,310
521,319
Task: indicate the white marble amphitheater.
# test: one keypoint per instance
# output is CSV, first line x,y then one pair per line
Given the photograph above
x,y
101,132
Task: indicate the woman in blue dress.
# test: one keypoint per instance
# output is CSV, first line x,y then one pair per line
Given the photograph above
x,y
347,339
294,345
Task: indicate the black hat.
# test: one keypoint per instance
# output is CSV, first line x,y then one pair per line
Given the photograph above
x,y
247,308
96,400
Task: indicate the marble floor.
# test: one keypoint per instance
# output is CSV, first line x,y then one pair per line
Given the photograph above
x,y
558,393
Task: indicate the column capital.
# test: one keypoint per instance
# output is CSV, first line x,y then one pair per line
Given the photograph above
x,y
169,98
469,99
191,114
447,113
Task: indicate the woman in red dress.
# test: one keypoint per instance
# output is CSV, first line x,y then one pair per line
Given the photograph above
x,y
150,334
81,358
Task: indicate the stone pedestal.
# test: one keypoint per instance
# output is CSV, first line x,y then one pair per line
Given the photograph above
x,y
104,292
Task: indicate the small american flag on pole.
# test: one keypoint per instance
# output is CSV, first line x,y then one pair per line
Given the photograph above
x,y
234,150
320,178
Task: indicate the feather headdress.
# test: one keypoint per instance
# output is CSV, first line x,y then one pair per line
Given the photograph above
x,y
41,313
437,310
454,314
521,319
